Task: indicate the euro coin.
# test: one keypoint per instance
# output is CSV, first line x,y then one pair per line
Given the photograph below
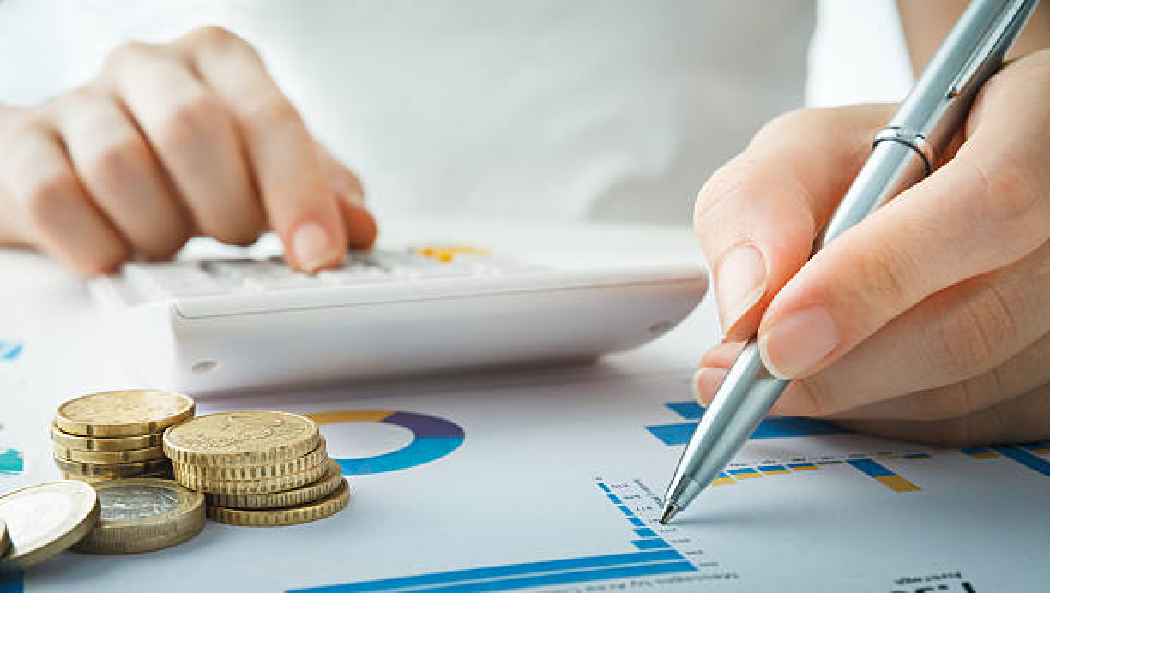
x,y
143,514
247,486
310,493
241,438
46,519
115,471
109,456
245,472
132,412
75,442
330,505
4,542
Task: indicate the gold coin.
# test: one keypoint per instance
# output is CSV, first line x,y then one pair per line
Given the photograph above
x,y
74,442
117,471
45,519
330,505
109,456
247,486
143,514
133,412
242,473
241,438
295,497
4,541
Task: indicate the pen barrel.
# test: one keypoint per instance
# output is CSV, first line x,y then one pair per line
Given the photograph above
x,y
972,52
890,169
905,151
739,406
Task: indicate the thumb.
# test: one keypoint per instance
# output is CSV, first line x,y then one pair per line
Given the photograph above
x,y
757,216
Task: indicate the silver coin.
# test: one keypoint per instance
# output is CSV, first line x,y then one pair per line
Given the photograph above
x,y
46,519
135,501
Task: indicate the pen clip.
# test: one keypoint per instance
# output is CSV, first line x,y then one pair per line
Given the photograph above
x,y
991,46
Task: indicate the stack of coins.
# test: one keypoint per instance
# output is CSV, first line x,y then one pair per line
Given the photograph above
x,y
257,468
118,434
143,514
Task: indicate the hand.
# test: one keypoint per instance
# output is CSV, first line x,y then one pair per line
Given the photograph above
x,y
171,141
929,320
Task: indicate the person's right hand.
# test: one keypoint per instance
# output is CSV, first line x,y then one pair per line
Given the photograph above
x,y
171,141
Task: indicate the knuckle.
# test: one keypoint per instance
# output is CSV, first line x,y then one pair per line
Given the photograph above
x,y
129,53
881,278
45,201
1016,195
275,112
189,120
799,118
974,336
815,396
217,38
221,42
117,162
732,178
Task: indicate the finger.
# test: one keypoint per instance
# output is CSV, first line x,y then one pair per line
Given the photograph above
x,y
289,172
941,415
1024,418
121,174
358,220
194,137
757,216
1021,374
956,334
984,209
54,210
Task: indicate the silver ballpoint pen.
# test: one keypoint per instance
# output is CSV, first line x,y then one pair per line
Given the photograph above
x,y
903,153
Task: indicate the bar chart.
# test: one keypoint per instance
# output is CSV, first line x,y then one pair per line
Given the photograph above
x,y
1033,456
868,466
651,554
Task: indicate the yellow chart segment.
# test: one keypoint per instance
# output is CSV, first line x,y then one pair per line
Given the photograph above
x,y
350,416
897,483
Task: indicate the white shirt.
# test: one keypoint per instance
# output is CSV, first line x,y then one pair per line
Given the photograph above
x,y
498,109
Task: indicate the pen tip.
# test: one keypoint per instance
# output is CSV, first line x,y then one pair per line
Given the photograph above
x,y
670,512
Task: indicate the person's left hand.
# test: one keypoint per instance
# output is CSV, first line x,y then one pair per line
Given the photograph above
x,y
927,321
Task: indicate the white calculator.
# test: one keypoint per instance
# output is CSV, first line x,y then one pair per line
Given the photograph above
x,y
239,323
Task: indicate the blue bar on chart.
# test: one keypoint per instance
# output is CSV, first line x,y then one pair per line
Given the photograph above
x,y
743,473
882,474
1025,458
803,465
645,532
979,452
723,479
625,510
534,574
773,427
651,543
772,469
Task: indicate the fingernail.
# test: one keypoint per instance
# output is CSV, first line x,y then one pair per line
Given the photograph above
x,y
313,247
696,386
740,282
702,376
795,344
